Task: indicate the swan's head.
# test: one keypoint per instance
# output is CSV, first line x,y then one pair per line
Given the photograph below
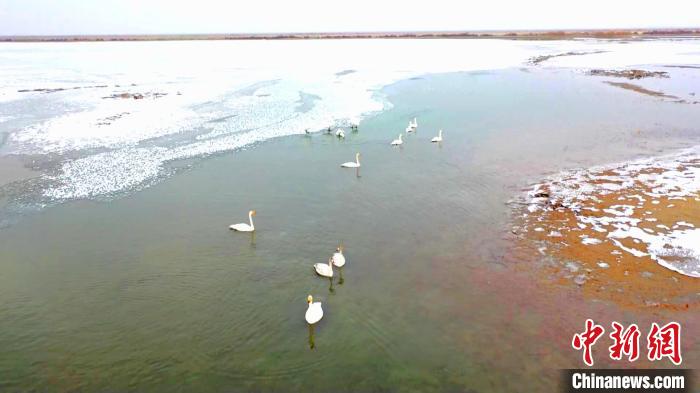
x,y
252,212
310,299
338,249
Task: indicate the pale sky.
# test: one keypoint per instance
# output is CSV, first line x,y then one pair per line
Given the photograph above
x,y
56,17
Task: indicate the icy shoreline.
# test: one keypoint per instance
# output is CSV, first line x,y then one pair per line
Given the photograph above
x,y
225,96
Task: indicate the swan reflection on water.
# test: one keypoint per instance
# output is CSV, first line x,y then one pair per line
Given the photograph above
x,y
312,344
252,240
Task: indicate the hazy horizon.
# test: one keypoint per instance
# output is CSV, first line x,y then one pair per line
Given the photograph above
x,y
159,17
359,32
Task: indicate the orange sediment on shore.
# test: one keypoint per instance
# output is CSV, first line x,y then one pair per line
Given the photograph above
x,y
629,232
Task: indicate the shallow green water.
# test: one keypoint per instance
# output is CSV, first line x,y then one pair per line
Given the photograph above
x,y
152,292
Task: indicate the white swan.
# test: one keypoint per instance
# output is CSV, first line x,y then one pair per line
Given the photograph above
x,y
437,138
340,133
324,270
412,125
314,313
351,164
243,227
338,257
396,142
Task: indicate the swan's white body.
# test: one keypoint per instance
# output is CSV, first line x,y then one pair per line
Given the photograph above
x,y
396,142
340,133
243,227
338,257
325,270
412,125
437,138
314,313
351,164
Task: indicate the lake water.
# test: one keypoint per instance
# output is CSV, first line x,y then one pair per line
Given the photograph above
x,y
117,270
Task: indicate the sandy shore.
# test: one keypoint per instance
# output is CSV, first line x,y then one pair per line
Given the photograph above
x,y
626,232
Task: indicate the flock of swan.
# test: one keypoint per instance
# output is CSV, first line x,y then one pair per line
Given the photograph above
x,y
314,312
412,127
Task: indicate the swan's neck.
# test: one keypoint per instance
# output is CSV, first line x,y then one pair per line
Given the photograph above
x,y
400,136
250,218
357,159
440,134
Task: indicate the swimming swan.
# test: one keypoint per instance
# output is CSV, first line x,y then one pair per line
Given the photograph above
x,y
412,125
437,138
351,164
324,270
396,142
243,227
314,313
338,257
340,133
